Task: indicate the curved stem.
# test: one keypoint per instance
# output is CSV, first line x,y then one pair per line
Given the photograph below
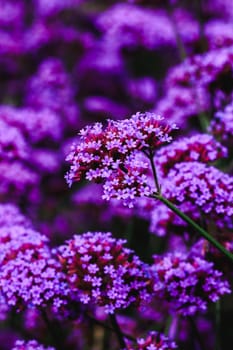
x,y
157,185
198,228
118,331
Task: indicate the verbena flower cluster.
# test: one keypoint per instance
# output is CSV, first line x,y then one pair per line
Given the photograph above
x,y
100,270
208,188
35,276
188,282
201,147
111,155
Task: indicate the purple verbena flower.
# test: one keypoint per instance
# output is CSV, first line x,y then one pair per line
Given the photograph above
x,y
121,22
201,147
50,89
218,34
116,155
206,187
100,270
188,282
10,215
36,126
29,275
16,180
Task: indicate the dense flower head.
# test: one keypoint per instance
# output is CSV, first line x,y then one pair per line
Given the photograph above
x,y
29,345
100,270
50,89
206,187
183,104
17,238
212,70
16,180
111,155
29,274
188,282
12,143
200,147
221,125
153,341
36,126
121,24
129,183
10,215
219,34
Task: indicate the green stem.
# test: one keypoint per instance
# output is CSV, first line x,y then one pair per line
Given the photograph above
x,y
118,331
198,228
157,185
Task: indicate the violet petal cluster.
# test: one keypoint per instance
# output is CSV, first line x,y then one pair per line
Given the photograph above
x,y
113,155
206,187
188,282
101,271
221,125
198,148
50,88
29,275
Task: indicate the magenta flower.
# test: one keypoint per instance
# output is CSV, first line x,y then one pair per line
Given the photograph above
x,y
206,187
100,270
29,275
188,282
117,155
201,147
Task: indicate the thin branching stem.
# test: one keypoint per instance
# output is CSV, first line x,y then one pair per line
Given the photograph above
x,y
193,224
157,185
118,331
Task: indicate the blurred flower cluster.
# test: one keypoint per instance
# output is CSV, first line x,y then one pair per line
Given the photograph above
x,y
116,174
